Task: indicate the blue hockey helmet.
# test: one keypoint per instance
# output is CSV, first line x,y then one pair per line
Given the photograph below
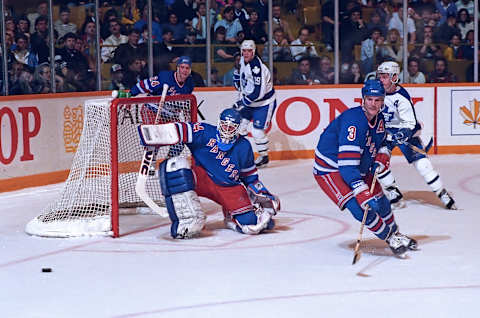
x,y
184,60
373,87
228,128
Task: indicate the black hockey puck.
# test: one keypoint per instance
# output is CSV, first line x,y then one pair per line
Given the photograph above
x,y
46,270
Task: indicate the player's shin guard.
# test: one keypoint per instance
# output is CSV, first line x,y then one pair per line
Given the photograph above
x,y
432,178
261,142
183,205
373,222
387,180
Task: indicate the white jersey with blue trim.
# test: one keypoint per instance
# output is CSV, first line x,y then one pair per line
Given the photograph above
x,y
398,111
255,83
226,168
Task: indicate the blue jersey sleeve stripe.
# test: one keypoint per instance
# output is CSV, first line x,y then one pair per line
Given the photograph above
x,y
342,162
326,159
322,169
352,148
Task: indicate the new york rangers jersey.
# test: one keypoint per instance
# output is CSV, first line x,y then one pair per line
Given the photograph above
x,y
154,85
228,168
349,145
255,83
399,112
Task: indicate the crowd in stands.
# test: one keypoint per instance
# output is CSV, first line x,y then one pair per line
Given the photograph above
x,y
439,32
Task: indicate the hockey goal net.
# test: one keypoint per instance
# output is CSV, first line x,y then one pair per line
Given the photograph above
x,y
101,182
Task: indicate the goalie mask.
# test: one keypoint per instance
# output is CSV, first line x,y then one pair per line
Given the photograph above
x,y
228,128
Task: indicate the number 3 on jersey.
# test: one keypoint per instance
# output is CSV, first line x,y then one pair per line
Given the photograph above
x,y
352,133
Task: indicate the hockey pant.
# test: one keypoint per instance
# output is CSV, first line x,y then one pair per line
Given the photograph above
x,y
381,224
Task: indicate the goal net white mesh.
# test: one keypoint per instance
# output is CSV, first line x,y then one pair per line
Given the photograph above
x,y
105,166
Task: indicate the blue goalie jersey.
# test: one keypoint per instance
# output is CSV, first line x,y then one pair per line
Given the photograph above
x,y
349,145
226,168
154,85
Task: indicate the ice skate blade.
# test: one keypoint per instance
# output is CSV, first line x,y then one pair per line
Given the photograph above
x,y
399,205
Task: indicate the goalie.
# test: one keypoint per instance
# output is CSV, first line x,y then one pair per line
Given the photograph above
x,y
223,170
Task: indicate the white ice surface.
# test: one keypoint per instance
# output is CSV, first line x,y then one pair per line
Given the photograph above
x,y
303,269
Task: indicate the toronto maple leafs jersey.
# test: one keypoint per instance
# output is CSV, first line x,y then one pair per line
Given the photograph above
x,y
399,112
255,83
154,85
226,168
349,145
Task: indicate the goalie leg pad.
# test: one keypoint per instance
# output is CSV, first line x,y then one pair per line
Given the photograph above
x,y
425,168
183,205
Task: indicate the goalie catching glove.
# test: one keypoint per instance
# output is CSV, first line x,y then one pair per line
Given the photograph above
x,y
259,195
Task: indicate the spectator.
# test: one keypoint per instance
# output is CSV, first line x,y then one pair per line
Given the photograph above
x,y
215,79
328,22
376,23
301,47
254,29
113,41
464,23
10,24
446,30
440,72
356,73
42,11
199,23
39,40
278,22
111,14
116,75
89,37
396,22
126,51
393,49
345,75
21,80
466,4
23,54
240,13
261,6
352,31
75,59
303,75
230,23
179,32
197,79
369,49
280,48
167,53
228,77
445,8
134,72
467,49
23,26
191,48
426,15
184,12
63,25
454,50
428,50
414,76
131,13
326,74
157,30
41,79
221,53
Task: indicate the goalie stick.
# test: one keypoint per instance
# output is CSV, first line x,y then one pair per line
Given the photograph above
x,y
356,254
148,157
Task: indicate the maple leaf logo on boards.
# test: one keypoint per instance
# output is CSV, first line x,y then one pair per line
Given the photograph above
x,y
472,115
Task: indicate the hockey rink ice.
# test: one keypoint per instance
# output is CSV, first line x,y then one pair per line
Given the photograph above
x,y
302,269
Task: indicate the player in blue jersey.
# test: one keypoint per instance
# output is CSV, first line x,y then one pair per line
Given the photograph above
x,y
403,131
223,170
347,154
257,100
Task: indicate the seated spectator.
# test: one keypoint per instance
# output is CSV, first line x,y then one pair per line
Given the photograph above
x,y
392,50
303,75
131,13
23,26
278,22
42,11
116,75
215,79
111,14
464,23
228,77
414,76
281,48
157,30
383,11
198,80
440,72
23,54
41,79
396,22
466,51
39,40
89,37
454,50
191,48
301,47
167,53
356,73
445,8
429,49
326,74
352,32
254,29
446,30
179,32
134,72
64,25
467,5
124,52
368,50
113,41
20,80
376,24
199,23
75,59
345,75
221,53
240,13
230,23
184,12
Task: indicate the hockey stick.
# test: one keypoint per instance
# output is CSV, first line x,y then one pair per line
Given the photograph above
x,y
419,150
149,155
356,255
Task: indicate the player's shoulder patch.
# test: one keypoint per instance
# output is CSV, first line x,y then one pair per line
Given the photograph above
x,y
197,127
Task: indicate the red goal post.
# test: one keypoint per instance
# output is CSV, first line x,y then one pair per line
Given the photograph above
x,y
101,182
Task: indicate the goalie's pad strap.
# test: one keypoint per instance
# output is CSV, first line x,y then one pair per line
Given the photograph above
x,y
159,135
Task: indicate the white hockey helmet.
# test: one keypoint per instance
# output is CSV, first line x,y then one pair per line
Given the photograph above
x,y
391,68
248,45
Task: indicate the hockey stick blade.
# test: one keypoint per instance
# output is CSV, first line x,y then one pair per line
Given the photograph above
x,y
148,157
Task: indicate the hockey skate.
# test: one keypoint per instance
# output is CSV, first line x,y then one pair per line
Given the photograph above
x,y
396,244
395,197
261,161
447,200
409,242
